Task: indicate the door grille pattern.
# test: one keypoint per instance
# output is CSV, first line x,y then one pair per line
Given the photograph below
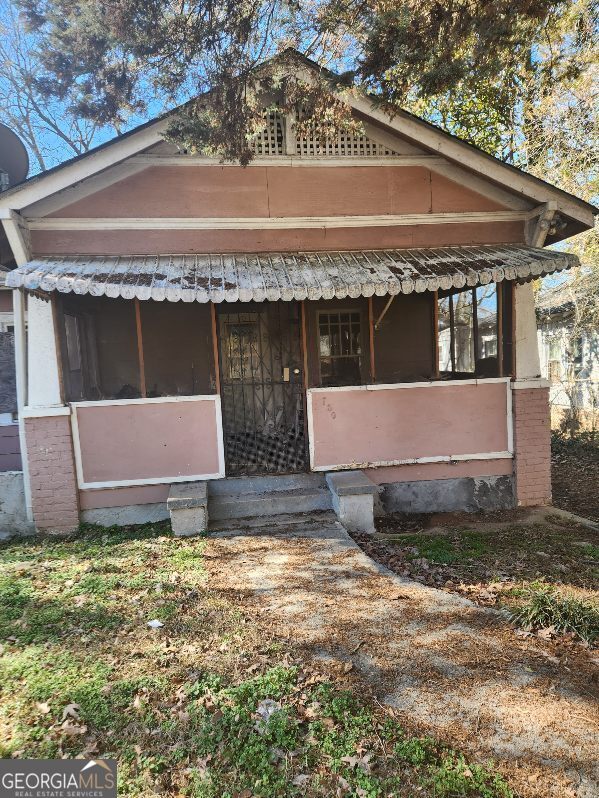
x,y
262,388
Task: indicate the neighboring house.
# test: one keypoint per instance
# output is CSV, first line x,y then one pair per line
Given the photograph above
x,y
362,303
569,354
10,452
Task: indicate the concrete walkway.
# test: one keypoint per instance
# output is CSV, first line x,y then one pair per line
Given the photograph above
x,y
444,663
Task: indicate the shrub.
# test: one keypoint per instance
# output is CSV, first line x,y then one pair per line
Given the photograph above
x,y
546,607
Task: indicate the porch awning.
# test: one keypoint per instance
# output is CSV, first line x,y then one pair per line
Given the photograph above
x,y
286,276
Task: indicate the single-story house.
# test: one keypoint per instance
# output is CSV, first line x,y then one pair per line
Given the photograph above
x,y
361,302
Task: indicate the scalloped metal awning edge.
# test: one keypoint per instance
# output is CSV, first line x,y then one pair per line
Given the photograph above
x,y
287,276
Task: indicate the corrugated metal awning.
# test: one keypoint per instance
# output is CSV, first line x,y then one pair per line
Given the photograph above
x,y
273,276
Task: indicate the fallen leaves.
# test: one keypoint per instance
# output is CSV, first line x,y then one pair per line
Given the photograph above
x,y
73,729
301,780
362,762
71,711
547,632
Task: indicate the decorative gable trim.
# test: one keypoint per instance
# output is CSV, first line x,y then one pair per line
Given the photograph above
x,y
470,157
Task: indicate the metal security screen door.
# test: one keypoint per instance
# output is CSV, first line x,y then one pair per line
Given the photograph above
x,y
262,388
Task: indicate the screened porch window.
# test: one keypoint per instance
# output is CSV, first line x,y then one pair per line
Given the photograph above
x,y
123,349
469,332
339,347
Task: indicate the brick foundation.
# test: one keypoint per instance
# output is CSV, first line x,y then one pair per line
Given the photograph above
x,y
532,442
54,494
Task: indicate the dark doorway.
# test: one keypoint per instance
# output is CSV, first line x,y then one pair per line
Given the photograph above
x,y
262,388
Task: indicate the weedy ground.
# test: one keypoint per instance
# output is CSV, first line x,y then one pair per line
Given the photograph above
x,y
575,473
214,707
522,561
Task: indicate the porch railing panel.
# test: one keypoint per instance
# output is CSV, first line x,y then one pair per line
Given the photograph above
x,y
384,425
147,441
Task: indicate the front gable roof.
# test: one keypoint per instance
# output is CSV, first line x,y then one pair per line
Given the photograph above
x,y
415,133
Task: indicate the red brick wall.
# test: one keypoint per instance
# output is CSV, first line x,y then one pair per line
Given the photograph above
x,y
54,494
532,442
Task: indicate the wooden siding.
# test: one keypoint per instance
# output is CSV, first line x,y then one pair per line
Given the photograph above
x,y
155,242
10,449
212,191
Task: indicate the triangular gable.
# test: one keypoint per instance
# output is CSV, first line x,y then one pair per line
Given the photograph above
x,y
385,137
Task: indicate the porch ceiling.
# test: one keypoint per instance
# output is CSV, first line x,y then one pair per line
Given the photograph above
x,y
286,276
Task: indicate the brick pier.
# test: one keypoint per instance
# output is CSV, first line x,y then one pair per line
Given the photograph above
x,y
54,496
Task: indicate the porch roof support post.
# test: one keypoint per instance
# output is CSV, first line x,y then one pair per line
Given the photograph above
x,y
525,345
43,388
436,335
140,350
215,347
18,303
371,339
17,234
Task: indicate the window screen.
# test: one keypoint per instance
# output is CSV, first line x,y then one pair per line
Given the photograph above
x,y
445,348
177,347
114,333
101,349
467,332
339,345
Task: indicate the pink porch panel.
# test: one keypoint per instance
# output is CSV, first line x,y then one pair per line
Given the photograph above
x,y
144,442
357,427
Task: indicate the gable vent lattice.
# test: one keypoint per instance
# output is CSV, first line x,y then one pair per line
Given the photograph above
x,y
271,141
343,144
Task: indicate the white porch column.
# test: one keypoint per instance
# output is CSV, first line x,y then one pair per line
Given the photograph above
x,y
527,348
43,362
18,304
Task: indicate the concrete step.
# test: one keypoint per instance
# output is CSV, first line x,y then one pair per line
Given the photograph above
x,y
268,503
264,484
316,523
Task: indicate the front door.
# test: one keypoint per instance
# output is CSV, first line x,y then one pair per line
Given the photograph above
x,y
262,388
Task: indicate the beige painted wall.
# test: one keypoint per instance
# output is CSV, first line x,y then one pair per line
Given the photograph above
x,y
155,242
408,423
151,440
278,191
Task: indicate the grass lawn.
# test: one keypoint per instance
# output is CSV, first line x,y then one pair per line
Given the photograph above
x,y
207,704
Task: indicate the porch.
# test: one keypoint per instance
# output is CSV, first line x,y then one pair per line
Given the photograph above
x,y
179,369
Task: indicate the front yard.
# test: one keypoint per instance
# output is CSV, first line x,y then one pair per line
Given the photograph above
x,y
114,645
179,658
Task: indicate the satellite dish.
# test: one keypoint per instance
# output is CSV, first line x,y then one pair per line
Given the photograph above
x,y
14,160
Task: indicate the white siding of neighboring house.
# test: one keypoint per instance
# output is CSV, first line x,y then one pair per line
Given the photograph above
x,y
554,342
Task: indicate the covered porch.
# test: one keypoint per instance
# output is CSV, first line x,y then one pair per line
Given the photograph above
x,y
192,368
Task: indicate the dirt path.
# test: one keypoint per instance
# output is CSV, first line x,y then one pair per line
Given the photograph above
x,y
454,669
